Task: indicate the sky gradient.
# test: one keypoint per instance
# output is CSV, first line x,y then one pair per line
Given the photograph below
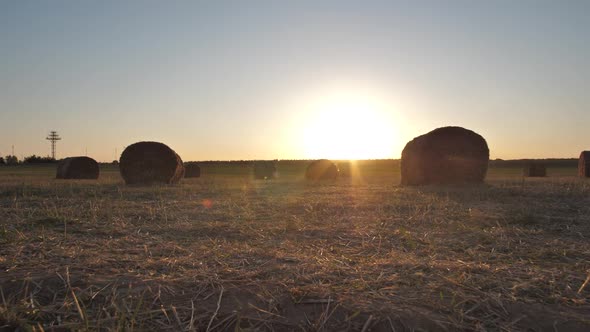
x,y
223,80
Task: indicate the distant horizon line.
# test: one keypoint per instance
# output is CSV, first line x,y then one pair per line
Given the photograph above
x,y
294,159
376,159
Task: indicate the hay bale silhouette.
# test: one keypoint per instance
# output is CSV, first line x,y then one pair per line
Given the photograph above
x,y
534,169
265,170
192,170
150,163
447,155
77,168
345,169
322,169
584,164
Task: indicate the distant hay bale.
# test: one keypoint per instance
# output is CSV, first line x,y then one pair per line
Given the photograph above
x,y
322,169
534,169
447,155
345,169
264,170
77,168
584,164
150,163
192,170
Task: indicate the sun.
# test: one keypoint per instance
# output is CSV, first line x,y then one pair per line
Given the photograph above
x,y
346,127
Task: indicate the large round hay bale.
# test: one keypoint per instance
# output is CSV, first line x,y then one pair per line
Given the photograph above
x,y
322,169
265,170
77,168
192,170
150,163
448,155
534,169
584,164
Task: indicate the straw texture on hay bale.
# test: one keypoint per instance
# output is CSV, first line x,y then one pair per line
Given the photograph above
x,y
192,170
447,155
150,163
535,169
265,170
77,168
322,169
584,164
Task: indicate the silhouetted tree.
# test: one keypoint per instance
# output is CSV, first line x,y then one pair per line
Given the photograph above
x,y
38,160
2,162
11,160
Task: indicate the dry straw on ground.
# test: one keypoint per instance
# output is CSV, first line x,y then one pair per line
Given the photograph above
x,y
265,170
584,164
192,170
77,168
150,163
322,169
230,254
444,156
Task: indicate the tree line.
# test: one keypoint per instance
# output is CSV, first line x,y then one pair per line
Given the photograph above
x,y
34,159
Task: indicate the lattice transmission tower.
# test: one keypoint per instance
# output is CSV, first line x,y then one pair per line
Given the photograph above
x,y
53,137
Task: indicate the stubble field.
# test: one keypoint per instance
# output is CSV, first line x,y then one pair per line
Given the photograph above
x,y
226,252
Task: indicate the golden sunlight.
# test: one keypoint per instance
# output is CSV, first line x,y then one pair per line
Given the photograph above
x,y
348,128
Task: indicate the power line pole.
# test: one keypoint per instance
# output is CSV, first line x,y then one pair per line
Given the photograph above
x,y
53,137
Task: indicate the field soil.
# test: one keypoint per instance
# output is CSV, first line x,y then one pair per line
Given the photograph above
x,y
227,252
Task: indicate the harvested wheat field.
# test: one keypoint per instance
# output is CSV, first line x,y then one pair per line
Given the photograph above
x,y
229,253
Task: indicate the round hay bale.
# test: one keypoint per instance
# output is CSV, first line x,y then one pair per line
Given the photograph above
x,y
150,163
534,169
584,164
264,170
77,168
192,170
322,169
345,169
447,155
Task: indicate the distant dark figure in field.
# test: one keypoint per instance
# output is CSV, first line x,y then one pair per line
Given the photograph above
x,y
322,169
192,170
264,170
77,168
534,169
150,163
447,155
584,164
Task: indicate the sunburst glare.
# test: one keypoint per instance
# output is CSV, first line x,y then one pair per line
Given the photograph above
x,y
348,128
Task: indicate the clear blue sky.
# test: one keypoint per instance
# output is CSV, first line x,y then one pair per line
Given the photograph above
x,y
239,79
